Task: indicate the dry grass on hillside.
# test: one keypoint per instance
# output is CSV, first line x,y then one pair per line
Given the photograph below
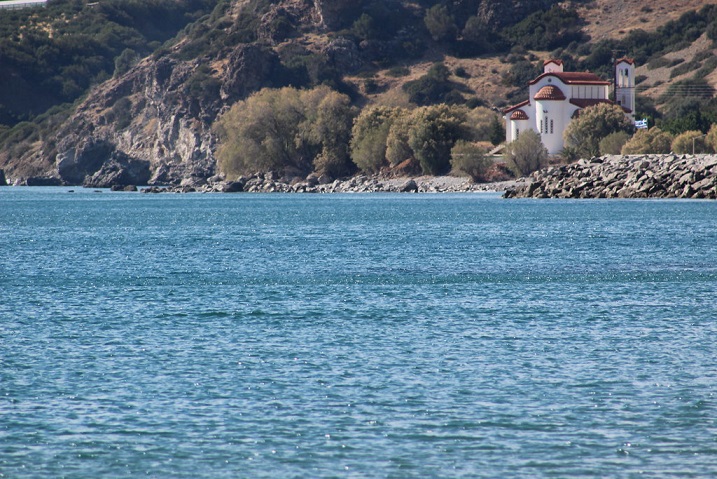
x,y
615,18
659,79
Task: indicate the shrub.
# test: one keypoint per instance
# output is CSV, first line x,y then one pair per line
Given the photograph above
x,y
399,71
521,73
122,113
126,60
433,87
526,154
470,159
461,72
485,125
647,141
547,30
684,68
612,144
692,141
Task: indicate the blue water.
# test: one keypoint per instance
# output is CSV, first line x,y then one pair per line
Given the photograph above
x,y
355,336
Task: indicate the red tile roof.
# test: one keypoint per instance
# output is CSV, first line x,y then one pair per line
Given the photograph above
x,y
519,115
584,103
552,60
626,60
574,78
549,92
515,107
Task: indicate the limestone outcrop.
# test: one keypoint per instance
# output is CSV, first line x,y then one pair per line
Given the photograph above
x,y
630,176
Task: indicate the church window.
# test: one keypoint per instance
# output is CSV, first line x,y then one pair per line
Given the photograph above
x,y
551,127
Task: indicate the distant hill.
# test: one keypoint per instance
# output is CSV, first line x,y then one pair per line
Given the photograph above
x,y
137,85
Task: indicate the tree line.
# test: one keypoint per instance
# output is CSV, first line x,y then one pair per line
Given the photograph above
x,y
299,131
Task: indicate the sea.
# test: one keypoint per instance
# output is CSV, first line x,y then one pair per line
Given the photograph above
x,y
355,336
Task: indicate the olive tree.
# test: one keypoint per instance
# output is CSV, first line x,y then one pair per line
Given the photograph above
x,y
286,129
644,141
397,148
595,123
369,136
689,142
433,132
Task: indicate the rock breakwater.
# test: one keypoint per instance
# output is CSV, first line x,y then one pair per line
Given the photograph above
x,y
625,176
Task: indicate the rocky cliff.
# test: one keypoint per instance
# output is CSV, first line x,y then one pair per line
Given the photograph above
x,y
152,125
632,176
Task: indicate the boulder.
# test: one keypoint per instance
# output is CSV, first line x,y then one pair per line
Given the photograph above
x,y
120,170
42,181
232,187
409,186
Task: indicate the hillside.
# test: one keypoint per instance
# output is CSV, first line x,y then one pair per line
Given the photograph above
x,y
152,121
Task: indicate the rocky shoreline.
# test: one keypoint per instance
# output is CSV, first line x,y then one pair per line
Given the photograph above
x,y
272,183
624,176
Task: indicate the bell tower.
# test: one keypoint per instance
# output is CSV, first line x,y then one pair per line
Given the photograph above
x,y
625,84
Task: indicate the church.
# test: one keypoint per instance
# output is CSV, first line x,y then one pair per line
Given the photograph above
x,y
556,97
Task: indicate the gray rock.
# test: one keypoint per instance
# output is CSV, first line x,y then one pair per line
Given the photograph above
x,y
232,187
409,186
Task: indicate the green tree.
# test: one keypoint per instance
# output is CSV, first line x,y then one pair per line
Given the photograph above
x,y
595,123
526,154
369,137
286,129
126,60
433,87
470,159
646,141
497,131
434,130
440,23
691,141
398,149
331,129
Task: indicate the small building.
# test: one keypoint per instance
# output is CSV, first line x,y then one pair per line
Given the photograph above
x,y
15,4
556,97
